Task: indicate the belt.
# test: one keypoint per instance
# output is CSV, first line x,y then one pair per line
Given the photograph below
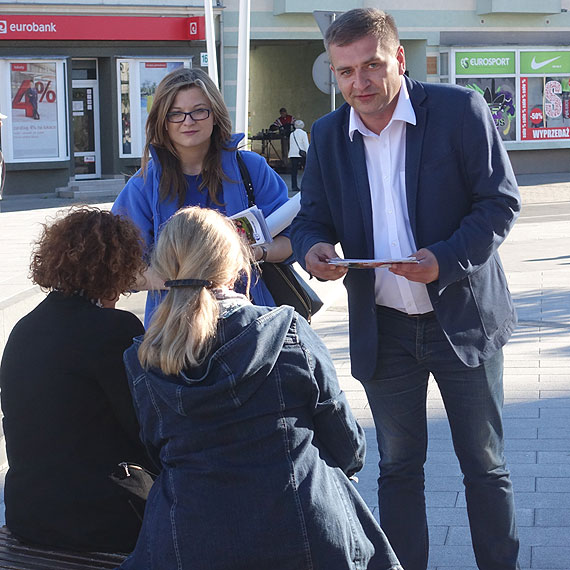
x,y
402,314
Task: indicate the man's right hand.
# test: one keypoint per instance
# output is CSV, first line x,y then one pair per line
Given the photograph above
x,y
316,262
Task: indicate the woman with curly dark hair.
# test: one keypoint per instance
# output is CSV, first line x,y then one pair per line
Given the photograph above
x,y
68,414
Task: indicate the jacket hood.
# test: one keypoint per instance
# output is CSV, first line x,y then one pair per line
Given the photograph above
x,y
248,344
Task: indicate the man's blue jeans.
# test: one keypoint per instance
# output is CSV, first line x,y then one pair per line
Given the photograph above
x,y
409,348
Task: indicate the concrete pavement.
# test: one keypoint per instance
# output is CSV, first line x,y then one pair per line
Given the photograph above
x,y
536,256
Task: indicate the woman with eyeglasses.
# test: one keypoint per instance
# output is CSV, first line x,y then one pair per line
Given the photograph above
x,y
190,160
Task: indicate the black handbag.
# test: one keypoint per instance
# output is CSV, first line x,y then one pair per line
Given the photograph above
x,y
136,482
286,286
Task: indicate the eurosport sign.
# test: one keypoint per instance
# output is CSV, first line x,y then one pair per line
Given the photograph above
x,y
101,28
479,63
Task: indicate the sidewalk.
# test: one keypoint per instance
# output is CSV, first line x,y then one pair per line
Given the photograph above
x,y
537,379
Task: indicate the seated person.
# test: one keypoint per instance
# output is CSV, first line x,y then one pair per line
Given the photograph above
x,y
241,404
68,413
283,123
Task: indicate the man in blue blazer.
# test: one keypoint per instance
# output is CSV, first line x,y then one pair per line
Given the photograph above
x,y
413,169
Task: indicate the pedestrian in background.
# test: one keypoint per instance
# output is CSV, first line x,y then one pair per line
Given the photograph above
x,y
298,147
417,169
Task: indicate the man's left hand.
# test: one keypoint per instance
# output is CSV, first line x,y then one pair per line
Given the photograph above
x,y
426,271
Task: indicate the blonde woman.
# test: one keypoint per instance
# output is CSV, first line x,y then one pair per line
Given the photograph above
x,y
242,407
193,162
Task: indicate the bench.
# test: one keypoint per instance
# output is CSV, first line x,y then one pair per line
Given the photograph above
x,y
14,555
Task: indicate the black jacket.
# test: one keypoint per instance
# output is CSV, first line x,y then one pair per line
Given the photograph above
x,y
68,421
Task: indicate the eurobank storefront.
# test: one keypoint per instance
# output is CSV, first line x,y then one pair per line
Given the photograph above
x,y
528,93
76,90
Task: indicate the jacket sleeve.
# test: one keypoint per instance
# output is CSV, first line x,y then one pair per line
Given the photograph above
x,y
494,194
336,427
135,203
314,222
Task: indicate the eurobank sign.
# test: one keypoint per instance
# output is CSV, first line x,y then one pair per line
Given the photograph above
x,y
101,28
484,63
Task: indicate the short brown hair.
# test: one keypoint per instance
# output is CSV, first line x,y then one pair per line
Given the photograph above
x,y
361,22
88,250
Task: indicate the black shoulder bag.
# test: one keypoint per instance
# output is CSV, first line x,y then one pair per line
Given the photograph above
x,y
286,286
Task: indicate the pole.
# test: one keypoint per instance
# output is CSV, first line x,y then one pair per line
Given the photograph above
x,y
333,89
211,42
243,68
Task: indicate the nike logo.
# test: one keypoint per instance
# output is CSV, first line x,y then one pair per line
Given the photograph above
x,y
536,65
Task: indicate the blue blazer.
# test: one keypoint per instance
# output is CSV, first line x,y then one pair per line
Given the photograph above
x,y
462,200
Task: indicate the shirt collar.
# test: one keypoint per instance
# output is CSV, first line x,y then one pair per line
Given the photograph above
x,y
404,111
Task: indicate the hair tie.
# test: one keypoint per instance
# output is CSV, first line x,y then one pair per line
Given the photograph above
x,y
188,283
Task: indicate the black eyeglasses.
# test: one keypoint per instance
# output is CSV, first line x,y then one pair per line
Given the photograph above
x,y
180,116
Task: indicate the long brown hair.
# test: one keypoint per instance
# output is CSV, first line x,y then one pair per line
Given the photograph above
x,y
173,185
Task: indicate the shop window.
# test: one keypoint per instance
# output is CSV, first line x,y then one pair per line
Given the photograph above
x,y
137,82
492,74
34,97
499,93
545,95
530,87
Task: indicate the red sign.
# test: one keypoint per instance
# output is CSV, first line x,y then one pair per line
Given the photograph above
x,y
536,116
101,28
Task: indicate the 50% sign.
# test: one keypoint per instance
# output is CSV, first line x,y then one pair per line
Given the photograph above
x,y
30,93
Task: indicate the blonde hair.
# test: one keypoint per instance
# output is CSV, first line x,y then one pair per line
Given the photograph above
x,y
173,184
196,243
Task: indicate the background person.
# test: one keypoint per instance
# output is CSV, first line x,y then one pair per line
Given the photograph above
x,y
243,408
284,120
390,176
193,162
68,413
298,144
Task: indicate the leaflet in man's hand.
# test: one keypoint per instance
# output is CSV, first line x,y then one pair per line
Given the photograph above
x,y
369,263
252,225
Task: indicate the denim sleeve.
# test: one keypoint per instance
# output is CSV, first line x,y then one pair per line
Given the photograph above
x,y
335,425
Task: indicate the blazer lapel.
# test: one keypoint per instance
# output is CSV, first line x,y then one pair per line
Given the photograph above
x,y
360,174
414,142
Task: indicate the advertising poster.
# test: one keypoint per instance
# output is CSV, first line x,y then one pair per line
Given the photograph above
x,y
34,110
151,73
124,80
500,96
473,70
545,97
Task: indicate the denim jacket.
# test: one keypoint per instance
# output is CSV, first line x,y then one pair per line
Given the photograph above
x,y
256,445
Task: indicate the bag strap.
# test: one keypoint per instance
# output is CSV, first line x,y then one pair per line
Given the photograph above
x,y
246,178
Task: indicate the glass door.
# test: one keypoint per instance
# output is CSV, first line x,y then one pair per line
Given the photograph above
x,y
87,143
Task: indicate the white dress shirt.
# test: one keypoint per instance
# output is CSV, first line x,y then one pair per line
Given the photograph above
x,y
393,239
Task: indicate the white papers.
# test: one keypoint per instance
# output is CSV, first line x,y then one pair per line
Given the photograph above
x,y
369,263
251,224
283,216
258,229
